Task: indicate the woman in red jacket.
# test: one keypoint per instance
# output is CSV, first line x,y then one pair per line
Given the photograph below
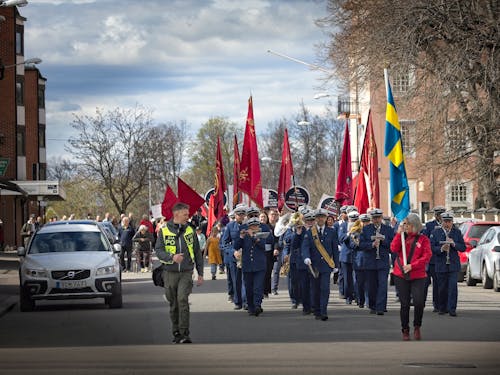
x,y
410,278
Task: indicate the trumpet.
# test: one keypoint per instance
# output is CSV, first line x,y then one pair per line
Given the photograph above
x,y
445,246
378,236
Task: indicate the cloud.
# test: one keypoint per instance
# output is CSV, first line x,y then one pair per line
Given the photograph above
x,y
187,60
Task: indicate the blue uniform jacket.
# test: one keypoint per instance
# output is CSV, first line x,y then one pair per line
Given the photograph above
x,y
430,226
253,250
369,260
231,233
292,243
440,257
346,252
330,242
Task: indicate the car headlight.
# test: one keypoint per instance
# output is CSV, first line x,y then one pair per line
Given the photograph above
x,y
35,273
106,270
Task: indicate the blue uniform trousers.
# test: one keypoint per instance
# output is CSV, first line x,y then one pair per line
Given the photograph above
x,y
254,286
276,273
432,278
340,281
320,293
361,287
377,289
230,289
238,287
348,282
448,291
304,279
293,284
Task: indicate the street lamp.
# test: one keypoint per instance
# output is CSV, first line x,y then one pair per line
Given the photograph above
x,y
13,3
33,60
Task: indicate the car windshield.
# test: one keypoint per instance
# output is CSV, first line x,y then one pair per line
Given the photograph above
x,y
478,230
64,242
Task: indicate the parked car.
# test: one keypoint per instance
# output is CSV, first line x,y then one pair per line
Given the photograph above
x,y
472,230
109,230
68,260
484,261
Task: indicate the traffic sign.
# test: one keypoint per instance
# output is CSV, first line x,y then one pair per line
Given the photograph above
x,y
4,163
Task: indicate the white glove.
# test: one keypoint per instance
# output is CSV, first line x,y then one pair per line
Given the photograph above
x,y
335,270
307,261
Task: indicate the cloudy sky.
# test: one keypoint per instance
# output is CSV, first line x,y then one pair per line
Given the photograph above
x,y
185,59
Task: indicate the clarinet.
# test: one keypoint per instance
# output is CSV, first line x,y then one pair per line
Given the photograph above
x,y
448,241
378,236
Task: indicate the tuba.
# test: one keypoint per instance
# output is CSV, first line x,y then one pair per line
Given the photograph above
x,y
282,225
296,220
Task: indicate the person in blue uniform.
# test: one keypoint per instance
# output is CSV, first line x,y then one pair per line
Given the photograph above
x,y
360,284
430,226
346,257
230,235
446,242
252,241
341,227
376,257
320,236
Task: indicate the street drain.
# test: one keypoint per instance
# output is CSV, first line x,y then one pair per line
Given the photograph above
x,y
440,365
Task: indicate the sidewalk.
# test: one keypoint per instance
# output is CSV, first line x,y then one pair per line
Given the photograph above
x,y
9,281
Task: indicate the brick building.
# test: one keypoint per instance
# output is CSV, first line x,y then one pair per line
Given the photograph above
x,y
23,186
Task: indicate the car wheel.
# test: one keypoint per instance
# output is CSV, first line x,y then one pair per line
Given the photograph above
x,y
496,281
487,281
469,280
25,302
115,301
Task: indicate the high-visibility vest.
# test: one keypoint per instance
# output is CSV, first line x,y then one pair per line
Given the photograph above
x,y
169,238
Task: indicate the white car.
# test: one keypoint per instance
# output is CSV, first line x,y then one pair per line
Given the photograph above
x,y
69,260
484,261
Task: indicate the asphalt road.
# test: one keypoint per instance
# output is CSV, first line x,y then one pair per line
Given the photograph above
x,y
85,337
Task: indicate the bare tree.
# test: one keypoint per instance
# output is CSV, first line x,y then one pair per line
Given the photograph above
x,y
61,169
113,148
453,50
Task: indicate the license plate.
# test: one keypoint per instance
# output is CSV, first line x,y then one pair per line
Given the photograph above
x,y
71,284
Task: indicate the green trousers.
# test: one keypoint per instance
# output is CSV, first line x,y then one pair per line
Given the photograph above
x,y
178,287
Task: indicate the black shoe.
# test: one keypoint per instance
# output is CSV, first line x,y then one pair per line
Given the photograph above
x,y
372,311
275,292
177,337
348,301
186,340
324,318
435,310
442,312
266,295
453,313
294,306
258,311
245,307
252,313
380,313
214,278
361,306
237,307
306,312
317,317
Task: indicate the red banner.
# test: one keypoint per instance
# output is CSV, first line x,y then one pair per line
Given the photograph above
x,y
210,217
236,173
189,196
286,172
343,193
220,184
168,202
369,163
249,176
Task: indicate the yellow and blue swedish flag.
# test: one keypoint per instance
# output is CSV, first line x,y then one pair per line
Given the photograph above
x,y
393,149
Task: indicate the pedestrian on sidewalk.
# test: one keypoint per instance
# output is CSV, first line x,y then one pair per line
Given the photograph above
x,y
125,234
143,244
178,249
410,278
213,251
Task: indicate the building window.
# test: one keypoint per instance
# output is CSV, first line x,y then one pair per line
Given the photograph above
x,y
19,40
402,81
21,141
456,141
458,193
34,172
41,96
20,90
408,135
42,171
41,136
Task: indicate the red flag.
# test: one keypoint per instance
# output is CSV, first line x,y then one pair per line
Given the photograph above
x,y
361,196
286,172
369,163
220,184
211,217
236,173
168,202
344,180
189,196
249,177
